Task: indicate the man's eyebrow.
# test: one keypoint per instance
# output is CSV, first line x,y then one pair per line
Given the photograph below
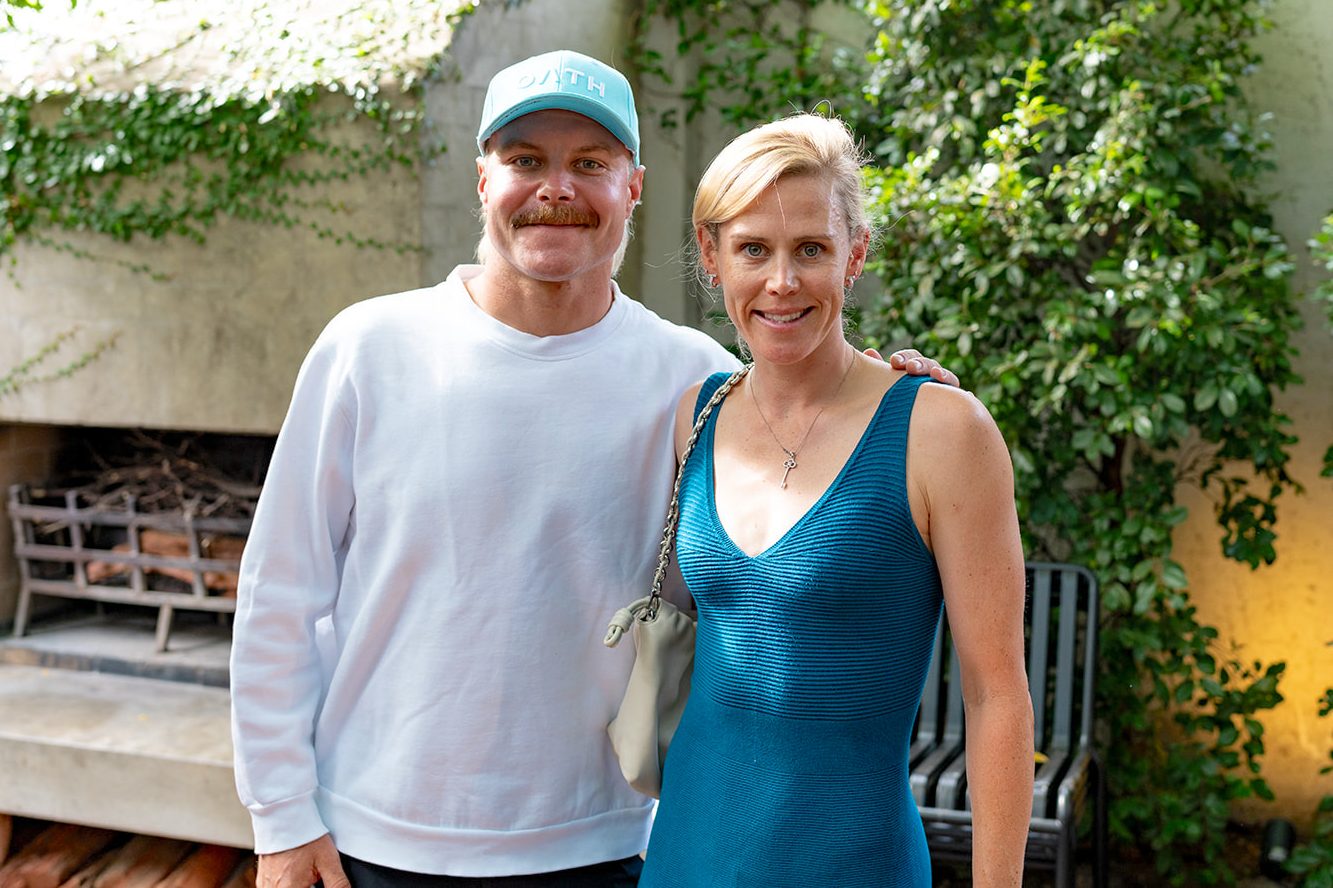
x,y
503,145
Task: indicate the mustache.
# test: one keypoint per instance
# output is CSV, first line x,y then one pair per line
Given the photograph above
x,y
557,215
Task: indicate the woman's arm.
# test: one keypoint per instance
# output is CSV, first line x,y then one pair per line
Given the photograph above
x,y
962,472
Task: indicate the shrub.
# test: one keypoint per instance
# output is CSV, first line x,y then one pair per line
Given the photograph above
x,y
1068,195
1075,233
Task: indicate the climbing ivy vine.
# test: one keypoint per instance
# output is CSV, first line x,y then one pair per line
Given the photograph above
x,y
11,5
242,112
245,110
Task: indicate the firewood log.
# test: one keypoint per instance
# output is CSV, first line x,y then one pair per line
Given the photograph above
x,y
207,867
176,545
142,863
55,853
246,874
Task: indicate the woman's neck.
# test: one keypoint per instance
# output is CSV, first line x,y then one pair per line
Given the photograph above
x,y
808,384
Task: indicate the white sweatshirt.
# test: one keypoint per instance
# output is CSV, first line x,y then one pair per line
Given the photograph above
x,y
468,504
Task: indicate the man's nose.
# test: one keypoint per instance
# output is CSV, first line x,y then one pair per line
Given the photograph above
x,y
558,186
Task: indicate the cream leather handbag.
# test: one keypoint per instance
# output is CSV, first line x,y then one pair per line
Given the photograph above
x,y
663,634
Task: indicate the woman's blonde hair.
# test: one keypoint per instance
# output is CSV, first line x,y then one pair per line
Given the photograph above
x,y
800,144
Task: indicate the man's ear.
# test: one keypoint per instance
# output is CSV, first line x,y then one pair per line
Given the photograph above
x,y
481,179
635,187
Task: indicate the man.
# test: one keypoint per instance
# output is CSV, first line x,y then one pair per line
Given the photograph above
x,y
470,480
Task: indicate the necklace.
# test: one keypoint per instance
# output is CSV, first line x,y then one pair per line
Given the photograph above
x,y
790,462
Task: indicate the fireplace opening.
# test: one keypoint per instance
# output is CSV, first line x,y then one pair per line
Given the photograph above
x,y
127,555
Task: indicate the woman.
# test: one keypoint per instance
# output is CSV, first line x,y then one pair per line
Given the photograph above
x,y
830,505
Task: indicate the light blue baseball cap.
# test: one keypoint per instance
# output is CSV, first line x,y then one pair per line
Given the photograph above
x,y
567,81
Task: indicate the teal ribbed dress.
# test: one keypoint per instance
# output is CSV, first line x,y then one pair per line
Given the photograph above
x,y
790,764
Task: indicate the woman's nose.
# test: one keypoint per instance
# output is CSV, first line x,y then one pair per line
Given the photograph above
x,y
781,277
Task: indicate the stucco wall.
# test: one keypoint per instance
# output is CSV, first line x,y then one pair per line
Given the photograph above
x,y
27,454
1281,612
215,345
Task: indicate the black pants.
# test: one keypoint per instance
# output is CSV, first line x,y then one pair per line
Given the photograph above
x,y
612,874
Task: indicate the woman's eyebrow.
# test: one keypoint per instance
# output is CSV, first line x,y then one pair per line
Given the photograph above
x,y
745,234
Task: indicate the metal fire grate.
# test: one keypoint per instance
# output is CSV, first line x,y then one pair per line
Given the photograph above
x,y
68,547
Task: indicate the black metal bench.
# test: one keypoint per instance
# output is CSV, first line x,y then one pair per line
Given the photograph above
x,y
1061,628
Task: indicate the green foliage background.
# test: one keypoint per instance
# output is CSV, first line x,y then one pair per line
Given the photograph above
x,y
1068,196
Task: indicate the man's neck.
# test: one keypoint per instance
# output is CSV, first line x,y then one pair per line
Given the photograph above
x,y
541,308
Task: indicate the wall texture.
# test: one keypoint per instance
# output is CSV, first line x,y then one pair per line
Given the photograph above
x,y
215,345
26,455
1281,612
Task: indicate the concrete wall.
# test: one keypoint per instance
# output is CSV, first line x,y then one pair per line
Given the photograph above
x,y
27,454
1281,612
215,345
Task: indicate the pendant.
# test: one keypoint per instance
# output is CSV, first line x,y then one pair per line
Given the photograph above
x,y
788,466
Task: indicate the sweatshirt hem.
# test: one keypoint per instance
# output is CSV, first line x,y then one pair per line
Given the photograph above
x,y
451,851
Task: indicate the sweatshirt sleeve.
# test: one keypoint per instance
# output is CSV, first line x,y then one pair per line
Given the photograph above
x,y
289,578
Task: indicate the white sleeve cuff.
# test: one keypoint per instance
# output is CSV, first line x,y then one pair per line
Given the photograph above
x,y
286,824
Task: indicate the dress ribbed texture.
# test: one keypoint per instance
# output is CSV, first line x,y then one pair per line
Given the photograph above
x,y
790,764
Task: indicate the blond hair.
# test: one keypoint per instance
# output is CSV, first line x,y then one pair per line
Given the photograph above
x,y
803,144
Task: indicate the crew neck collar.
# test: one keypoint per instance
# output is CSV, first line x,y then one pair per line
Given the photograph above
x,y
542,348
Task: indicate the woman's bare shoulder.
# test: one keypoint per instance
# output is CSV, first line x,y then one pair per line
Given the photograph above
x,y
953,411
685,415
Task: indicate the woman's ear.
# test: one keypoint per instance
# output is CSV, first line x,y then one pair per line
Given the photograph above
x,y
707,249
856,261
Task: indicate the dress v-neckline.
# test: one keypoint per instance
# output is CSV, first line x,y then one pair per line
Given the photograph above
x,y
814,507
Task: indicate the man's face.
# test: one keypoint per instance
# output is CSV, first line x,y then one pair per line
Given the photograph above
x,y
556,190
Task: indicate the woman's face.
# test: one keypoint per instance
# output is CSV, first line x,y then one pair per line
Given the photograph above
x,y
782,264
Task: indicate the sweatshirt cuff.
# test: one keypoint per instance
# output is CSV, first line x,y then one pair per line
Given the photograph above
x,y
286,824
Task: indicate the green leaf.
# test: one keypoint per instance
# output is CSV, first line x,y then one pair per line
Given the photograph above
x,y
1173,402
1173,575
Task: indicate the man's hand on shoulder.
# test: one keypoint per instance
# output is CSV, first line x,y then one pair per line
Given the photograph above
x,y
914,363
303,866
